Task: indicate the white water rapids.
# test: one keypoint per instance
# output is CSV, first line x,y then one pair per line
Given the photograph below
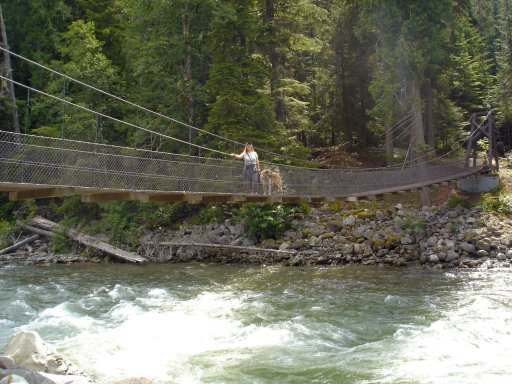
x,y
240,324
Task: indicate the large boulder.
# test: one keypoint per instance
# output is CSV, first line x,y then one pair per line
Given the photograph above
x,y
20,375
30,351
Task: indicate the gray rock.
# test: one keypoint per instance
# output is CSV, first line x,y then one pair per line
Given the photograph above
x,y
248,243
466,247
451,255
501,256
483,245
14,379
6,362
441,256
284,246
349,221
236,230
509,254
433,258
297,244
406,240
482,253
470,220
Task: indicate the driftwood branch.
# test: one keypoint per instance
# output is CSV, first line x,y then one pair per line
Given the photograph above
x,y
19,244
32,229
87,240
227,247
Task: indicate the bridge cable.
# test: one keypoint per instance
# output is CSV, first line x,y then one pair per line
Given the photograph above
x,y
109,117
394,127
147,109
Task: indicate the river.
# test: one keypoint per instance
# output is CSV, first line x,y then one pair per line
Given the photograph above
x,y
195,323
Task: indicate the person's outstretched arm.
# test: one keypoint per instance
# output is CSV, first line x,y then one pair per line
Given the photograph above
x,y
240,156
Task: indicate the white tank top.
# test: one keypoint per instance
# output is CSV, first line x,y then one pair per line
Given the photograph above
x,y
250,158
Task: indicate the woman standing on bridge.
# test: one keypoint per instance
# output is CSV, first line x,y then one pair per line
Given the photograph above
x,y
251,167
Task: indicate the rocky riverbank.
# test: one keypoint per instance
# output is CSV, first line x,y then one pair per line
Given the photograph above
x,y
436,237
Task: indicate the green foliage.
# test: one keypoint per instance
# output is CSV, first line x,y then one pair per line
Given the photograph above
x,y
60,243
497,201
6,207
74,213
26,210
454,201
125,222
508,160
413,223
212,213
7,232
269,220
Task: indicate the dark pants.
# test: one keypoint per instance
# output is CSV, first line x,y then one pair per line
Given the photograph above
x,y
251,177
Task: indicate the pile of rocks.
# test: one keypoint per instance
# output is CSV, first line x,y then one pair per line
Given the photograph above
x,y
438,237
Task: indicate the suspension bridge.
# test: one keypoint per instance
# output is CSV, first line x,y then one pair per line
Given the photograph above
x,y
43,167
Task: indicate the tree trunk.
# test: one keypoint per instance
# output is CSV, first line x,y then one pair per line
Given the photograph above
x,y
275,60
429,114
186,17
418,141
6,69
88,240
389,144
19,244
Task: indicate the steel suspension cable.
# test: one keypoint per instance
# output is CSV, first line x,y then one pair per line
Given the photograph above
x,y
110,117
393,128
147,109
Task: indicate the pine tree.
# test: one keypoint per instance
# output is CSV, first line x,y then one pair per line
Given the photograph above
x,y
241,107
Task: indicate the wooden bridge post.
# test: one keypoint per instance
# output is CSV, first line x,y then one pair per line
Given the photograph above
x,y
486,128
469,145
493,141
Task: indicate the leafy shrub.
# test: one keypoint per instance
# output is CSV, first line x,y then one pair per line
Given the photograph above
x,y
269,220
508,160
212,213
61,243
413,223
454,201
7,231
73,211
497,202
26,210
124,222
6,207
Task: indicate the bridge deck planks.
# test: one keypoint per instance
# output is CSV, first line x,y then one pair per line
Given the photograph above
x,y
40,191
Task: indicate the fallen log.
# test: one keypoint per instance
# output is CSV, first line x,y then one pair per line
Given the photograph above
x,y
220,246
87,240
19,244
30,228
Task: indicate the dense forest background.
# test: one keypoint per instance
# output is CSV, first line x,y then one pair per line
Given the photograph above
x,y
287,75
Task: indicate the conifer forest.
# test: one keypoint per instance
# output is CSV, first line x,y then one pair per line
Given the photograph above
x,y
287,75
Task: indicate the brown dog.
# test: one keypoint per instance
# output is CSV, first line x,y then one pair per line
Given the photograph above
x,y
271,181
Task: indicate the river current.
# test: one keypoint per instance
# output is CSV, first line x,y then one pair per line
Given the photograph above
x,y
257,324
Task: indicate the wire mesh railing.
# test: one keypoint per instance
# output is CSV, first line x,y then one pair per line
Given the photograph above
x,y
28,159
